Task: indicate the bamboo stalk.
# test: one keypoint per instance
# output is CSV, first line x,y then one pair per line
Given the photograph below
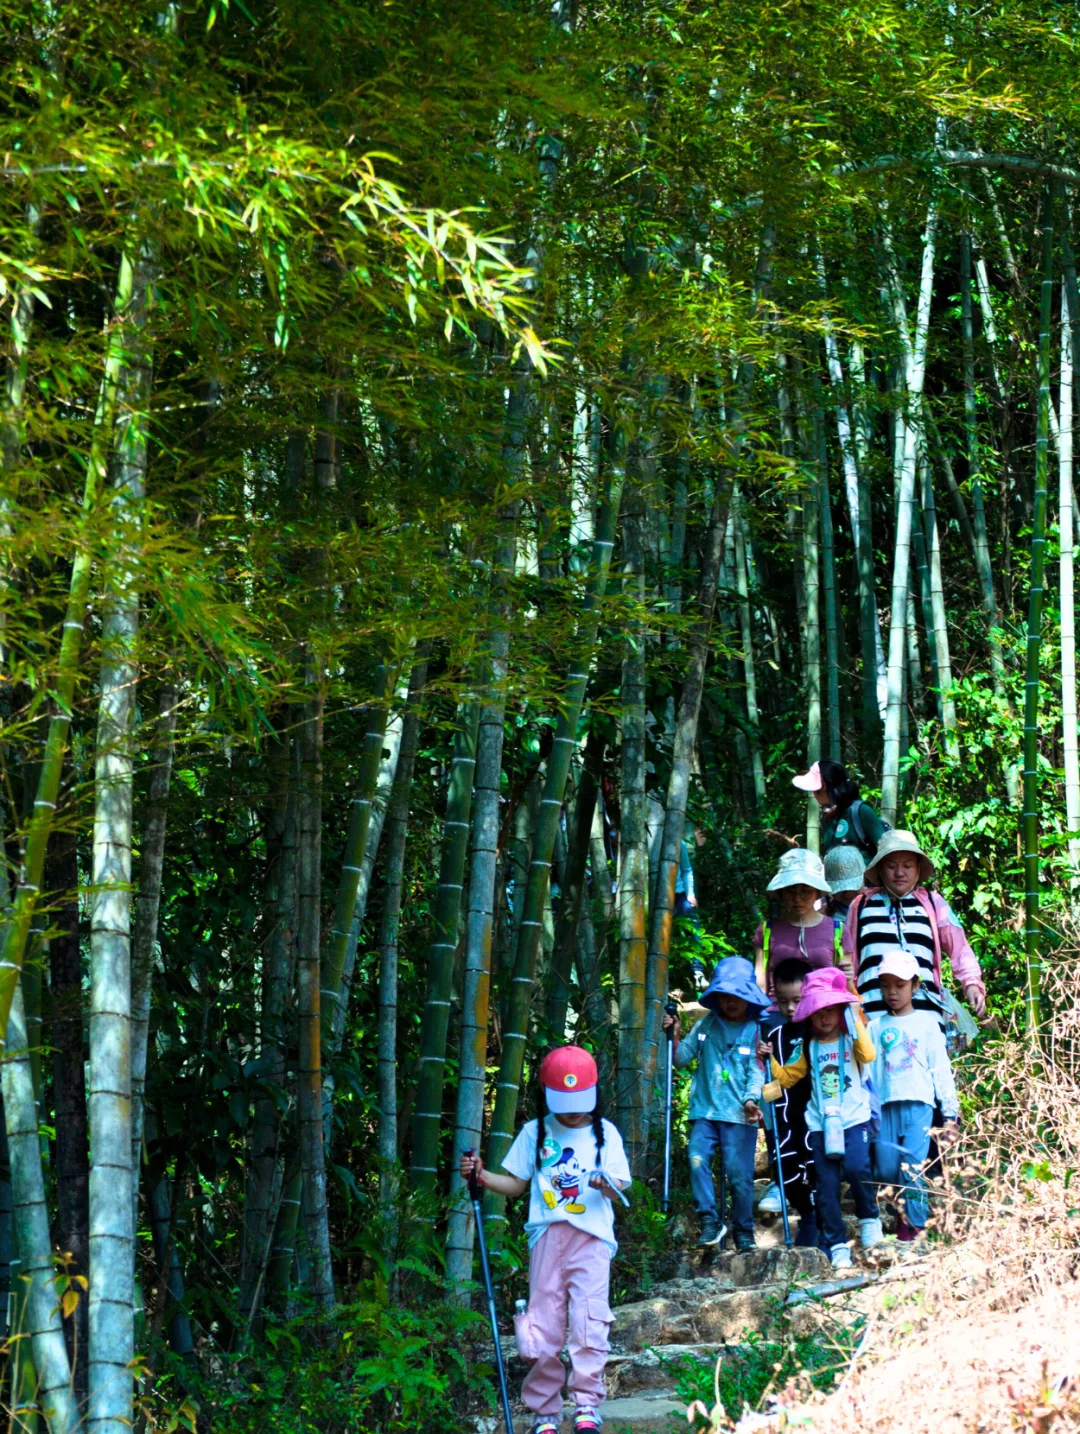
x,y
352,858
1067,578
264,1174
915,366
28,887
753,714
427,1113
1030,816
939,618
36,1270
314,1210
112,1226
828,575
633,851
394,877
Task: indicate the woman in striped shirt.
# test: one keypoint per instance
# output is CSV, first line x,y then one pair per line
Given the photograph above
x,y
898,912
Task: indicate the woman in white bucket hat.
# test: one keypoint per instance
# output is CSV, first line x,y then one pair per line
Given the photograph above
x,y
800,929
899,912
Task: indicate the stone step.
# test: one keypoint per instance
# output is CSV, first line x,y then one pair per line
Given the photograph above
x,y
652,1369
658,1412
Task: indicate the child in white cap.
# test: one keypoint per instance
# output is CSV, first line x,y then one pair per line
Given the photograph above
x,y
912,1072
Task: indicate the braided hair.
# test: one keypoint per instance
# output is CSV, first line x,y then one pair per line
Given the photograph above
x,y
542,1112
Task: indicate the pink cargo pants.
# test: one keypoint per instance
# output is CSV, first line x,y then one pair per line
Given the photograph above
x,y
566,1265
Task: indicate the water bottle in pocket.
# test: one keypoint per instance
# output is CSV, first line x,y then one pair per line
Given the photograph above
x,y
832,1126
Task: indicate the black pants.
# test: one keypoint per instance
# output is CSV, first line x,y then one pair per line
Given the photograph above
x,y
831,1174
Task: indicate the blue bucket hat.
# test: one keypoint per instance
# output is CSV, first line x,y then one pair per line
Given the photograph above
x,y
734,976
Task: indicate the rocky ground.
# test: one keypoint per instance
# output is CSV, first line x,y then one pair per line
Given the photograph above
x,y
710,1305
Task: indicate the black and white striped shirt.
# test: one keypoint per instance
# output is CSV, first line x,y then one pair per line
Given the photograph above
x,y
886,924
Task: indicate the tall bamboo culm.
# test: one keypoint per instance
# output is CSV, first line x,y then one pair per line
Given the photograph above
x,y
1029,820
914,367
17,930
633,852
110,1302
1066,540
427,1115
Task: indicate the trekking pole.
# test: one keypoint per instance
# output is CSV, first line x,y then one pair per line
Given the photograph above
x,y
671,1009
489,1290
770,1107
723,1210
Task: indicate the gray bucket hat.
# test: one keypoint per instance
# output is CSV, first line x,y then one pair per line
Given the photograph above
x,y
800,868
844,868
895,841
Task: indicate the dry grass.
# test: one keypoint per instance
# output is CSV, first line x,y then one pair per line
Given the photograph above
x,y
985,1335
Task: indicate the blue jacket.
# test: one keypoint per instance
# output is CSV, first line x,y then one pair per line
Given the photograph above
x,y
728,1073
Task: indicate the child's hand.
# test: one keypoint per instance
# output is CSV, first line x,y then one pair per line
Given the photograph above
x,y
670,1022
975,996
948,1134
764,1050
469,1163
752,1111
597,1182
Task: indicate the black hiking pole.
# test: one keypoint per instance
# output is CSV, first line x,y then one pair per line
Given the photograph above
x,y
770,1107
671,1009
489,1290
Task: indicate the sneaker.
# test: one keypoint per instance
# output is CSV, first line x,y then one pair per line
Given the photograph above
x,y
545,1426
870,1233
586,1421
769,1204
840,1255
712,1232
905,1233
744,1243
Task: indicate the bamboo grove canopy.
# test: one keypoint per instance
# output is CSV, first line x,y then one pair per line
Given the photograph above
x,y
451,453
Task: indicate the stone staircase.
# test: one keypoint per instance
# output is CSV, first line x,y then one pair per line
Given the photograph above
x,y
708,1305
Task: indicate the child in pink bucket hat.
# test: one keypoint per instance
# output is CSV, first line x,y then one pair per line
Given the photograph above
x,y
839,1112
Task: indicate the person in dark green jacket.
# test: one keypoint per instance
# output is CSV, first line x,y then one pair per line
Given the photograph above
x,y
846,820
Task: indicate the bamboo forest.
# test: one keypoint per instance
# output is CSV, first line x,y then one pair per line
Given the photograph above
x,y
460,464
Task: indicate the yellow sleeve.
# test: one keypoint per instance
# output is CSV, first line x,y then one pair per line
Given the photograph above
x,y
787,1076
863,1046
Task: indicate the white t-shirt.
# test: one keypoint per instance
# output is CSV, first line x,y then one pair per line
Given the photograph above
x,y
560,1189
913,1061
829,1083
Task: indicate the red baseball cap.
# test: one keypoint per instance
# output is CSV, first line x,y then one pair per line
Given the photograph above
x,y
569,1077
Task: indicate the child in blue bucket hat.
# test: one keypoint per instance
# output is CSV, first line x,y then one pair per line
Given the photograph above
x,y
724,1110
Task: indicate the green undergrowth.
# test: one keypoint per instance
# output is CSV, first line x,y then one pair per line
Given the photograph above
x,y
377,1367
756,1366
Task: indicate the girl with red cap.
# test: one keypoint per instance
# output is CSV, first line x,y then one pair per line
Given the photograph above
x,y
572,1162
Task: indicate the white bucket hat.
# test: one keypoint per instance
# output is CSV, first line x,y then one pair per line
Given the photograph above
x,y
895,841
800,868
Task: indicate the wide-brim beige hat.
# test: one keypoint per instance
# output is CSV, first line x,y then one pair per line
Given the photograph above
x,y
800,868
898,841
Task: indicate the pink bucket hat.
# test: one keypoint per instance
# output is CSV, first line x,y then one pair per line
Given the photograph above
x,y
809,781
826,986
